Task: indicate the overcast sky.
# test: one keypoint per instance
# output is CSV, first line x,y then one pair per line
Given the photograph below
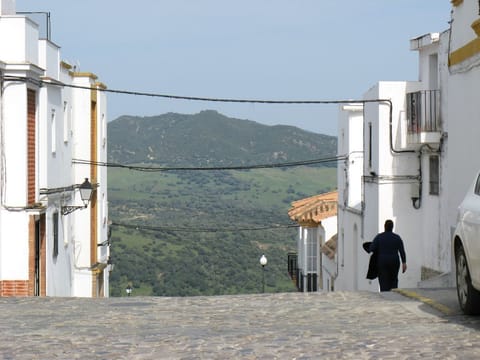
x,y
245,49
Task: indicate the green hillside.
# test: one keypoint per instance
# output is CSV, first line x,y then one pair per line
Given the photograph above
x,y
210,138
196,232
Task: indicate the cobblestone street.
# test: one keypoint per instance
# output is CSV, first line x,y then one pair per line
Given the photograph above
x,y
345,325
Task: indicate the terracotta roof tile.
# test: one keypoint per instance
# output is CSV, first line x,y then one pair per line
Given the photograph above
x,y
312,210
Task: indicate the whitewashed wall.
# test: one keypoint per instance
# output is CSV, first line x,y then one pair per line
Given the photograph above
x,y
22,53
19,55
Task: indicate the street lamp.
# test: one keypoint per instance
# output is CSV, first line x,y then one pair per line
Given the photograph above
x,y
86,190
263,262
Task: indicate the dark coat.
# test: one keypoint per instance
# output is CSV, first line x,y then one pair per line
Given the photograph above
x,y
372,272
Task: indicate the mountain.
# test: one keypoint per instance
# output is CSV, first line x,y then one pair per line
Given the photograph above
x,y
184,233
210,138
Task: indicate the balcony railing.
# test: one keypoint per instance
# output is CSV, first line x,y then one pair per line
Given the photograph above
x,y
423,111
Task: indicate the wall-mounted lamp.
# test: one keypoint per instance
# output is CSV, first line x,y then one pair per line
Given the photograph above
x,y
86,190
416,195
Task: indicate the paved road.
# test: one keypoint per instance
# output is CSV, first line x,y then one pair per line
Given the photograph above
x,y
339,325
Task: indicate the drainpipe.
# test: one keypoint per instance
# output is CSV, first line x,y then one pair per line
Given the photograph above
x,y
390,120
416,194
2,142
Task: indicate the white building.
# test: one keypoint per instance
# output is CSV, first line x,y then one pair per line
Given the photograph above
x,y
463,108
313,267
44,248
416,157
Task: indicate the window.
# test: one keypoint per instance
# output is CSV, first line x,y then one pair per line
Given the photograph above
x,y
55,234
104,130
66,121
54,131
312,251
370,145
433,71
434,175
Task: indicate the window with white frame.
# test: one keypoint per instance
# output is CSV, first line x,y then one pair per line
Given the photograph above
x,y
66,121
434,180
104,130
55,234
53,129
311,252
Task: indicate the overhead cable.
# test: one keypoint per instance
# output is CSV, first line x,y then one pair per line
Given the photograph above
x,y
202,230
210,168
40,82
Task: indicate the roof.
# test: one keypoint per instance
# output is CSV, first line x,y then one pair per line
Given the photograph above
x,y
312,210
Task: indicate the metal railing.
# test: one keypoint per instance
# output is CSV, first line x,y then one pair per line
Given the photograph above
x,y
48,23
423,111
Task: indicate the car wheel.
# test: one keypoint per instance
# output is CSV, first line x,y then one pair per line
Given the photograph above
x,y
468,296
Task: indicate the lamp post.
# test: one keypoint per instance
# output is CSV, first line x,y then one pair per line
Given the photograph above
x,y
263,262
86,190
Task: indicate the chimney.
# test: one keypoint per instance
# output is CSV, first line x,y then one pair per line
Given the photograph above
x,y
7,7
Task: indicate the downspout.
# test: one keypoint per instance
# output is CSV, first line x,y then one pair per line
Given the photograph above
x,y
2,142
390,120
417,197
2,162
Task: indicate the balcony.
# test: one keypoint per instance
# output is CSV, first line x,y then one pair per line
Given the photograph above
x,y
423,117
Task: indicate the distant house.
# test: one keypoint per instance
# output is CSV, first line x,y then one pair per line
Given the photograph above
x,y
311,267
50,243
415,156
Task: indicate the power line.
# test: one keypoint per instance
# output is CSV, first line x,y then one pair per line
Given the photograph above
x,y
211,168
202,230
40,82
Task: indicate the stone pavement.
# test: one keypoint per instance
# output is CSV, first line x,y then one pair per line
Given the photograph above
x,y
338,325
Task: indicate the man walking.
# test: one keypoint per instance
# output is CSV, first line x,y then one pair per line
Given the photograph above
x,y
387,246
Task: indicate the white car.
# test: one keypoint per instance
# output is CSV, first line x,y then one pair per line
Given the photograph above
x,y
466,247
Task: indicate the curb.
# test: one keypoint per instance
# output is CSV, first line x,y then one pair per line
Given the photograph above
x,y
434,304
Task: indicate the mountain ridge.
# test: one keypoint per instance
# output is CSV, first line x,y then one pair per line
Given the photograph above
x,y
210,138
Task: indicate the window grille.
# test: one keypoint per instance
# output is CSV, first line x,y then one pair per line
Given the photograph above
x,y
423,111
55,234
434,175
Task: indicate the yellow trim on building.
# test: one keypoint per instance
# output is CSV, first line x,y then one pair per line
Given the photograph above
x,y
65,65
101,85
456,2
465,52
476,27
84,74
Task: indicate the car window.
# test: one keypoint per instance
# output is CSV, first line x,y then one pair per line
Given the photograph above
x,y
477,186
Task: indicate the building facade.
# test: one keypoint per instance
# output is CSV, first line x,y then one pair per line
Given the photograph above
x,y
416,157
310,267
49,241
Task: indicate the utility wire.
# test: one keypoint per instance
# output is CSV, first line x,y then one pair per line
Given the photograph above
x,y
201,230
40,82
210,168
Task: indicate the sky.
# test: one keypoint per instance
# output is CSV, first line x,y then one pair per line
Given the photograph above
x,y
248,49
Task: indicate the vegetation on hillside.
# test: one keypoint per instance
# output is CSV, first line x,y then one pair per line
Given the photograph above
x,y
210,139
185,233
